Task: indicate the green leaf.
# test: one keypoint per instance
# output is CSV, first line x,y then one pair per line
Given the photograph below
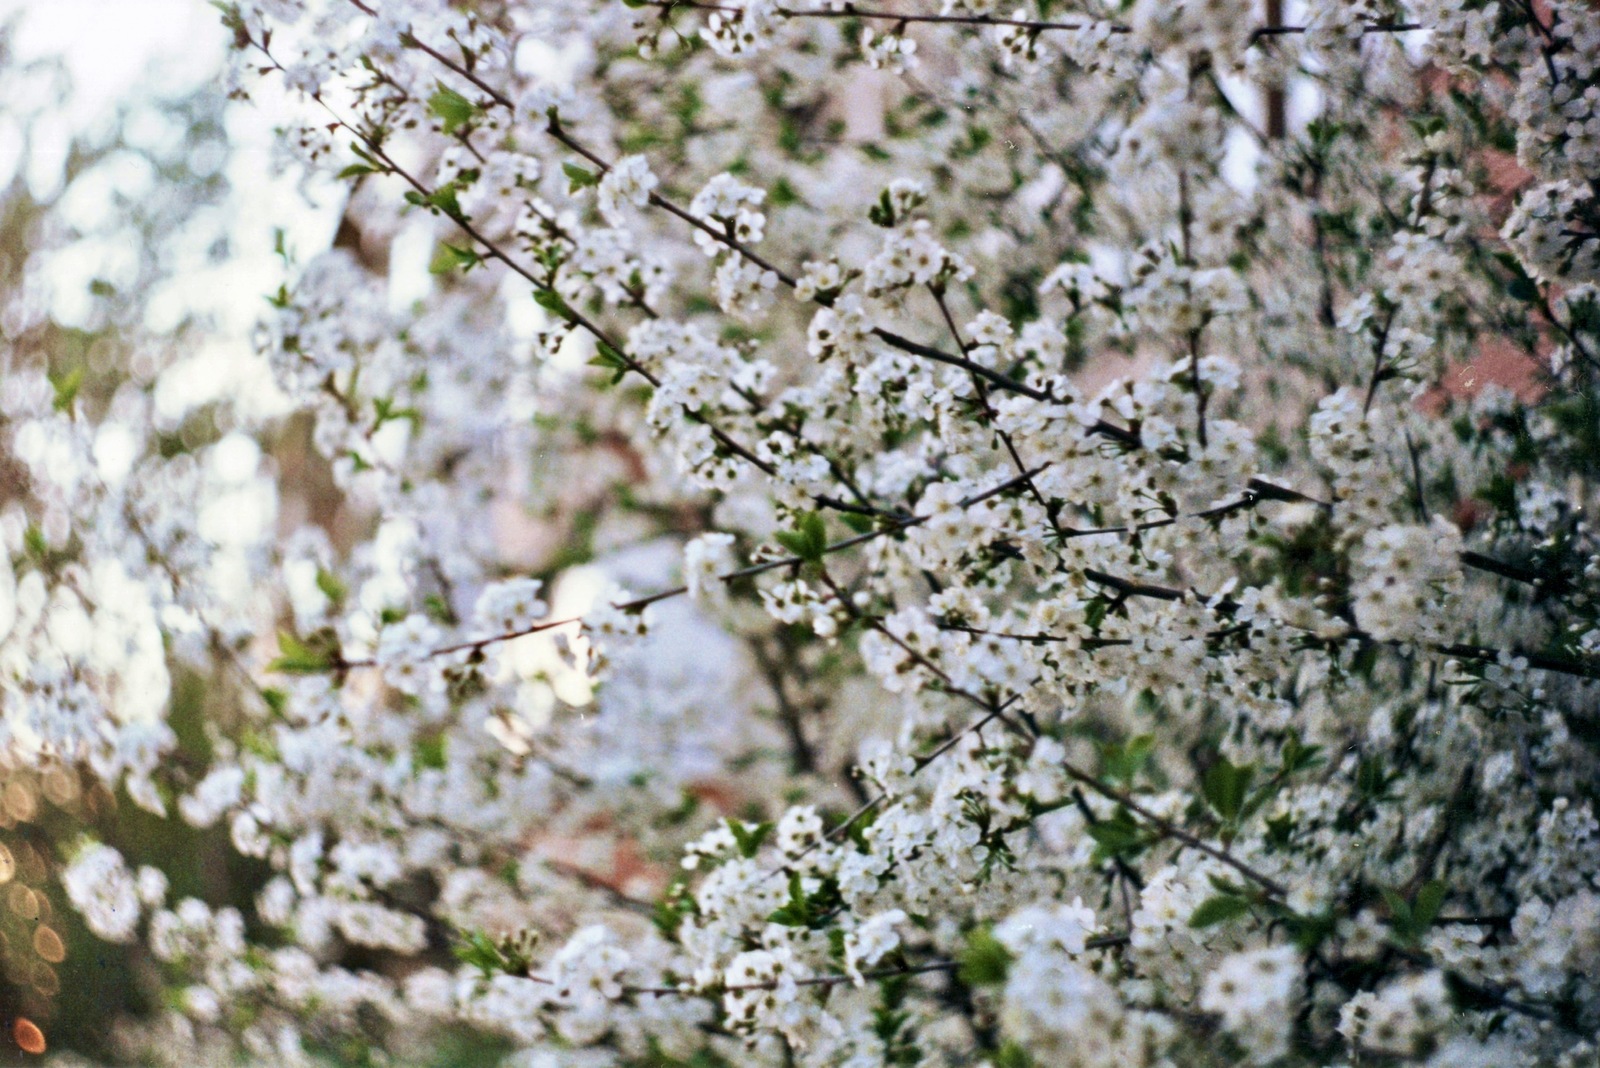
x,y
1225,786
857,522
749,837
610,357
1372,778
1012,1055
1094,612
836,943
447,258
1122,762
1308,932
797,911
438,608
356,170
1425,909
579,177
444,199
33,541
984,960
385,411
1523,288
480,951
809,539
312,656
453,109
1219,908
428,752
882,213
551,301
1298,756
672,907
331,587
1117,836
67,386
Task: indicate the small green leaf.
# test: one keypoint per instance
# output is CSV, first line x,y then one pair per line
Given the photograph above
x,y
447,258
1397,905
1372,778
1425,909
797,911
67,387
1012,1055
815,532
672,907
808,540
385,412
882,213
610,357
478,950
444,199
749,837
1219,908
1117,836
984,959
551,301
857,522
579,177
333,589
1523,288
1225,786
356,170
428,752
1297,756
1122,762
311,656
453,109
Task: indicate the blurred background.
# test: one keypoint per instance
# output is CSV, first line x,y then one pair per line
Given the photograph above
x,y
138,226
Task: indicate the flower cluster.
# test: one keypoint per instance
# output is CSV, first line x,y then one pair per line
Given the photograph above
x,y
1107,597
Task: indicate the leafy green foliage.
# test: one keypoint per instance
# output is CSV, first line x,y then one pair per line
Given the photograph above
x,y
1410,920
451,108
984,960
807,909
448,258
1219,908
808,540
612,359
1118,837
313,655
1122,761
750,836
579,177
1225,787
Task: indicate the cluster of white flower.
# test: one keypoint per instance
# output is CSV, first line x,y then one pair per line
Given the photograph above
x,y
628,181
110,897
1114,615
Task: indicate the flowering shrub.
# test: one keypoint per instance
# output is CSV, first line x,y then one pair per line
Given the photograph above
x,y
1106,622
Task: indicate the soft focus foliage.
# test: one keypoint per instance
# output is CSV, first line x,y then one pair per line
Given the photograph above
x,y
900,535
